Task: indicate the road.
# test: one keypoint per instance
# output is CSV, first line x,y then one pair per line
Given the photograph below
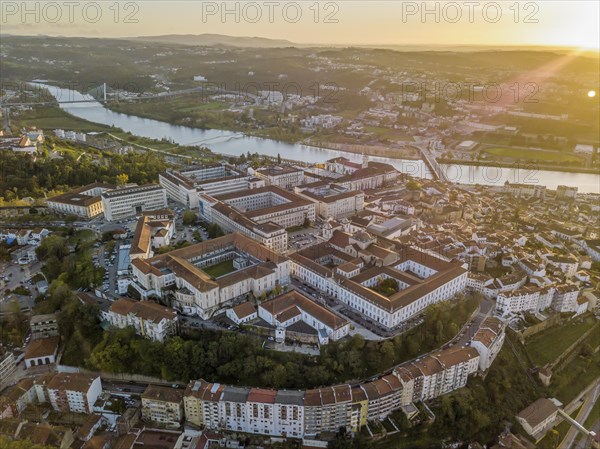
x,y
586,442
485,309
132,387
590,399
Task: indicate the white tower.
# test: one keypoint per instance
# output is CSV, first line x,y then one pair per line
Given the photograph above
x,y
365,160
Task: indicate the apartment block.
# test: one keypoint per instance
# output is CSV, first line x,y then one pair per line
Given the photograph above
x,y
488,341
43,326
149,319
73,392
162,405
8,366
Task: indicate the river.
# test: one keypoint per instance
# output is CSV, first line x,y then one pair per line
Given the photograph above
x,y
233,143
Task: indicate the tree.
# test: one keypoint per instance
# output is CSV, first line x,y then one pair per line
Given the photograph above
x,y
52,246
189,217
278,158
6,443
122,179
413,185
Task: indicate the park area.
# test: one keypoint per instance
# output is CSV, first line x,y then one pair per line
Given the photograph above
x,y
546,346
220,269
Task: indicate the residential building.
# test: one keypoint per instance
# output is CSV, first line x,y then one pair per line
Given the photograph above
x,y
488,341
566,192
8,366
445,371
568,265
306,413
162,405
538,417
525,190
16,399
74,392
201,403
565,298
43,326
130,201
149,319
41,351
525,299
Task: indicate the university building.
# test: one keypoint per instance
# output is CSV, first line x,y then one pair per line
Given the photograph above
x,y
286,177
332,200
131,201
202,278
185,185
350,267
262,214
154,230
85,202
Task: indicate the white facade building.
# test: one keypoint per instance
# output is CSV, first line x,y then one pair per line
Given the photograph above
x,y
436,279
254,268
186,184
131,201
293,306
286,177
488,341
74,392
524,299
84,202
150,320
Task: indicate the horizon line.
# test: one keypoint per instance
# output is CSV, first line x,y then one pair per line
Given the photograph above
x,y
322,44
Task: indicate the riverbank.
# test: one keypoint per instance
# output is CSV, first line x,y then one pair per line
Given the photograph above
x,y
235,144
407,153
277,134
531,166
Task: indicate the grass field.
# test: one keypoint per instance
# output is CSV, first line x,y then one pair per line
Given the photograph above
x,y
55,118
575,377
532,155
220,269
546,346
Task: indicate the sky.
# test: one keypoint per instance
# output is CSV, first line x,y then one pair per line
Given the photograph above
x,y
347,22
